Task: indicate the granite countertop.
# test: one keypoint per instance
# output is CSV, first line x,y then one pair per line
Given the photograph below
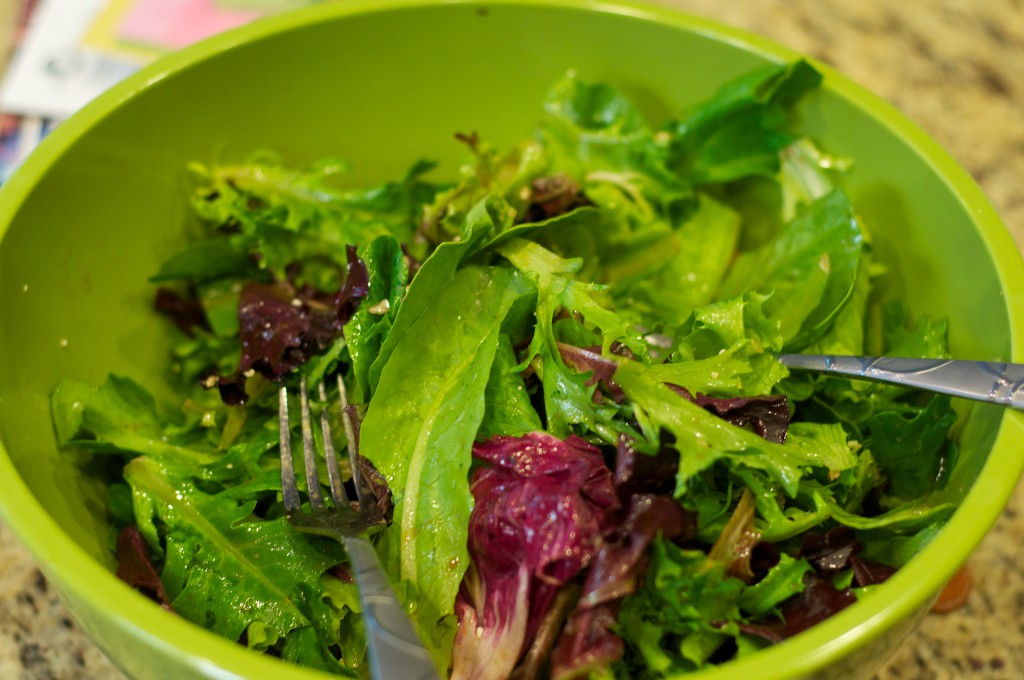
x,y
956,67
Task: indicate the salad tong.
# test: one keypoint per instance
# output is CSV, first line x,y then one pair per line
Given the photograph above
x,y
991,381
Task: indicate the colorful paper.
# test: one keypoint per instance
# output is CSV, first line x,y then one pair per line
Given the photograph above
x,y
51,75
173,24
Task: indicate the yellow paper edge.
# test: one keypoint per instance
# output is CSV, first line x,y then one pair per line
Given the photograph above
x,y
102,34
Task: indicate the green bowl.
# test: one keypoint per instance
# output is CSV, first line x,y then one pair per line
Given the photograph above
x,y
94,211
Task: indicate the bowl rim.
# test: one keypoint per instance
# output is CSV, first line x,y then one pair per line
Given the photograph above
x,y
909,591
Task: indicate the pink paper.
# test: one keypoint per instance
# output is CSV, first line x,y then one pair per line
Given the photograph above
x,y
173,24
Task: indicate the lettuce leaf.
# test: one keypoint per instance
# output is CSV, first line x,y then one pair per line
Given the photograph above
x,y
419,429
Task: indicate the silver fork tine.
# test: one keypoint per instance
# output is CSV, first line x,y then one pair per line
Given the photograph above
x,y
333,473
289,492
363,492
393,647
316,501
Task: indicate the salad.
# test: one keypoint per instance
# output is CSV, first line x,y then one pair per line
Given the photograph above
x,y
562,369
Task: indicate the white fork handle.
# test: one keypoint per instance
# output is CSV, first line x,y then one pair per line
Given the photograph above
x,y
395,650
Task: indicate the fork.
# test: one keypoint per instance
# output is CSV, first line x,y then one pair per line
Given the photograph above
x,y
997,382
393,647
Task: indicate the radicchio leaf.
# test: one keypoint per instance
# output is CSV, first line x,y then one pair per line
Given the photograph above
x,y
547,634
492,623
541,507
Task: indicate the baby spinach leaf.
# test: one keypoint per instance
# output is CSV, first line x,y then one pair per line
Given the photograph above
x,y
913,453
373,320
741,129
810,269
213,258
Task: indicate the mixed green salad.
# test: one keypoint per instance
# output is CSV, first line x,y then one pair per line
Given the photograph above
x,y
562,369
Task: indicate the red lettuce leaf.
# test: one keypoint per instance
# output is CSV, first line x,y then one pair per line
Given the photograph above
x,y
553,196
186,313
135,567
281,326
588,641
869,573
767,415
819,600
637,472
829,553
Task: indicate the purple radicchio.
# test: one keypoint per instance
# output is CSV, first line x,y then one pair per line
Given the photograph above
x,y
542,505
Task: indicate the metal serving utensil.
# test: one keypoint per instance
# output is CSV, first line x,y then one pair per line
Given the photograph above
x,y
394,648
991,381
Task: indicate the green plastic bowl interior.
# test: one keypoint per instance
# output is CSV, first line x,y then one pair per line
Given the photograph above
x,y
91,215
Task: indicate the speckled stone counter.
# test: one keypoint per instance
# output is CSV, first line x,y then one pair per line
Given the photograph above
x,y
956,67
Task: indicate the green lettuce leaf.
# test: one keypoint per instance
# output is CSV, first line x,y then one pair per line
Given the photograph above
x,y
226,569
419,430
740,131
810,269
